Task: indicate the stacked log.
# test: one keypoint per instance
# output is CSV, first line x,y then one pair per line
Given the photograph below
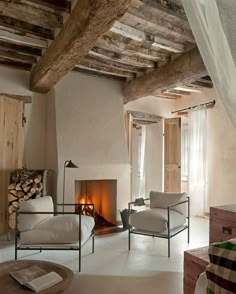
x,y
24,185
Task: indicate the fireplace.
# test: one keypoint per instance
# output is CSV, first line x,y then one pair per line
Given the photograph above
x,y
101,193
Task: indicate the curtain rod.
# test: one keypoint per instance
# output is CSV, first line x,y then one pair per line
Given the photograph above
x,y
190,107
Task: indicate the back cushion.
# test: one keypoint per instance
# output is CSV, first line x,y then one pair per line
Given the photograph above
x,y
42,204
164,199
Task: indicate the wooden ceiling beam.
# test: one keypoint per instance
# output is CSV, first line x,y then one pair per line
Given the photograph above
x,y
179,92
30,14
88,21
168,95
111,64
23,40
120,45
15,64
121,58
202,84
168,6
141,36
17,57
20,49
153,23
105,70
186,68
26,27
61,5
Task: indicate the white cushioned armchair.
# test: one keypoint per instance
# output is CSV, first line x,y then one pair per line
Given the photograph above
x,y
39,227
166,216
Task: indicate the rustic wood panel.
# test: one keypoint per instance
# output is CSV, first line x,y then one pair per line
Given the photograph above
x,y
172,155
11,148
93,18
186,68
15,64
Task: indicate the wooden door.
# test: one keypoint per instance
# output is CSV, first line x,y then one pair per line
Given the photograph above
x,y
172,155
11,149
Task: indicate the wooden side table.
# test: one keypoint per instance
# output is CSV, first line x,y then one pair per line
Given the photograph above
x,y
195,262
10,286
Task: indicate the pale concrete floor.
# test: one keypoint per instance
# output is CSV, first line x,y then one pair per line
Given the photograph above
x,y
147,254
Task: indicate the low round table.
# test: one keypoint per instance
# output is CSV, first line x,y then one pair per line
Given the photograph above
x,y
9,285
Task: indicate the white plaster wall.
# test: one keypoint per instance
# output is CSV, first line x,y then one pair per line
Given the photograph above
x,y
221,152
90,132
154,143
17,82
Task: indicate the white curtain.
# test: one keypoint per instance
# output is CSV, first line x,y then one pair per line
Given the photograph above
x,y
197,160
142,163
213,25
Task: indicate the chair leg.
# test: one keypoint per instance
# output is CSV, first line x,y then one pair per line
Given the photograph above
x,y
93,244
80,260
169,247
129,238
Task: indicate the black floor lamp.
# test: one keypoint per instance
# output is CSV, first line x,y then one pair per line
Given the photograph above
x,y
67,164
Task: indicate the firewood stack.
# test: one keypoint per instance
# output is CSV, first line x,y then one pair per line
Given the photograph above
x,y
24,185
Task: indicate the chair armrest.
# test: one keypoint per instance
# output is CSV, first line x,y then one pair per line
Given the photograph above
x,y
138,202
178,203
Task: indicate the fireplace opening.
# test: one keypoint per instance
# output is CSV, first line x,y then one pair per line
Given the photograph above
x,y
101,193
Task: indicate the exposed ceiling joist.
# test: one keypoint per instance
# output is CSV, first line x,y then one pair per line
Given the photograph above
x,y
28,13
15,64
115,44
121,58
168,95
105,70
17,56
24,40
26,27
141,36
152,24
93,18
179,92
61,5
184,69
20,49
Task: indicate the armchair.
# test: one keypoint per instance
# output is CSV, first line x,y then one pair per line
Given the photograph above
x,y
167,216
39,227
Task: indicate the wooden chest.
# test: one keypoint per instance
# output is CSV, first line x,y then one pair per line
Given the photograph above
x,y
195,262
222,223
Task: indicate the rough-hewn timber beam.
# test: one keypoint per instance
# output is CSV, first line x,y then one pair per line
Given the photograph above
x,y
87,22
186,68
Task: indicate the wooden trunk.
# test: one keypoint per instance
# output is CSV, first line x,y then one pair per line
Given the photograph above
x,y
195,262
222,223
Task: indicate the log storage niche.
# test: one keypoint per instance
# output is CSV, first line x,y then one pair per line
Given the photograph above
x,y
25,184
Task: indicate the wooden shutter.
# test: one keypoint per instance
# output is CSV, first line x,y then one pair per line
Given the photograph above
x,y
11,148
172,156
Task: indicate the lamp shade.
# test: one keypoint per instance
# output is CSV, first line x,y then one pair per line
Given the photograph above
x,y
70,164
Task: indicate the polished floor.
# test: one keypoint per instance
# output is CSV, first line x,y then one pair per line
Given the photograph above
x,y
147,257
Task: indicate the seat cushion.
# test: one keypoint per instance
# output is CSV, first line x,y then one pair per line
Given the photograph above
x,y
155,220
42,204
164,199
61,229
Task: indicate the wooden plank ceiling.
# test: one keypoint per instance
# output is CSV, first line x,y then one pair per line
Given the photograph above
x,y
151,34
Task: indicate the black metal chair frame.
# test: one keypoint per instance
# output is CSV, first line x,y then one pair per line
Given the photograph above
x,y
169,233
41,247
